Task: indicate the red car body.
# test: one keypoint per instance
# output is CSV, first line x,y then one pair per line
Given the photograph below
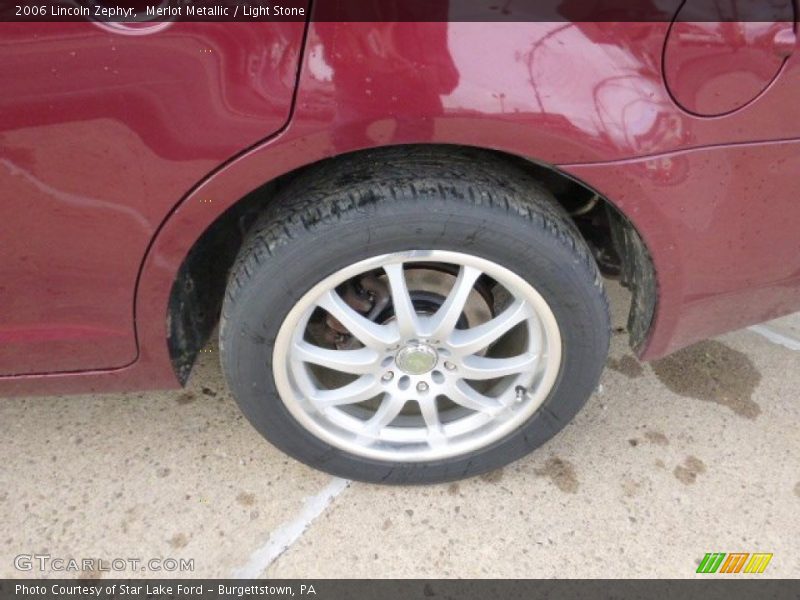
x,y
115,159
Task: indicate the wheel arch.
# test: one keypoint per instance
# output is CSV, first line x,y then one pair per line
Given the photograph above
x,y
183,279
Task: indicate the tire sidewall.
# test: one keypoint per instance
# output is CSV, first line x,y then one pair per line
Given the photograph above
x,y
313,251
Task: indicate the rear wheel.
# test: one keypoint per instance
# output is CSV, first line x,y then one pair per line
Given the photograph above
x,y
413,322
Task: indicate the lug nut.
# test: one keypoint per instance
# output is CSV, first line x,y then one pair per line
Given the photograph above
x,y
387,376
449,366
422,387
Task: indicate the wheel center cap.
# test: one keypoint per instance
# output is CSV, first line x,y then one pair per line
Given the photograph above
x,y
417,359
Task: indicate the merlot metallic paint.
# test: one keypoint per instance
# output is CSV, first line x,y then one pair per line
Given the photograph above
x,y
108,181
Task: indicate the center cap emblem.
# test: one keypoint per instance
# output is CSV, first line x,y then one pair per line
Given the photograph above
x,y
417,359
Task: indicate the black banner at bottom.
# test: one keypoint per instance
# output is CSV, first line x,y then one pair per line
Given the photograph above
x,y
391,589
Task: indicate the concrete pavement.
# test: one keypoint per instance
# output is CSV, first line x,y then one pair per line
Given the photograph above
x,y
699,452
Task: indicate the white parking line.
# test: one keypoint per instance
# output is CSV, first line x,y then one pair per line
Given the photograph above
x,y
776,337
288,533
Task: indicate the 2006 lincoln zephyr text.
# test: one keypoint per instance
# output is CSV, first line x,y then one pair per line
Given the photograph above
x,y
400,228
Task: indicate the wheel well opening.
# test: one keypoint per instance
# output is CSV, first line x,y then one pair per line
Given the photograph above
x,y
199,288
617,247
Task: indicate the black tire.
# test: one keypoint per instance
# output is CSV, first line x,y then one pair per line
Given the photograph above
x,y
349,209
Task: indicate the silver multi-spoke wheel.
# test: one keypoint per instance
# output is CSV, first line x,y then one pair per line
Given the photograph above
x,y
417,356
374,362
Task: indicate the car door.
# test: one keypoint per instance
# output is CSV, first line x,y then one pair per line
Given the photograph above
x,y
103,129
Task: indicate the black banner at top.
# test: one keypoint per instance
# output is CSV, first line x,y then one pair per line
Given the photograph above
x,y
142,11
